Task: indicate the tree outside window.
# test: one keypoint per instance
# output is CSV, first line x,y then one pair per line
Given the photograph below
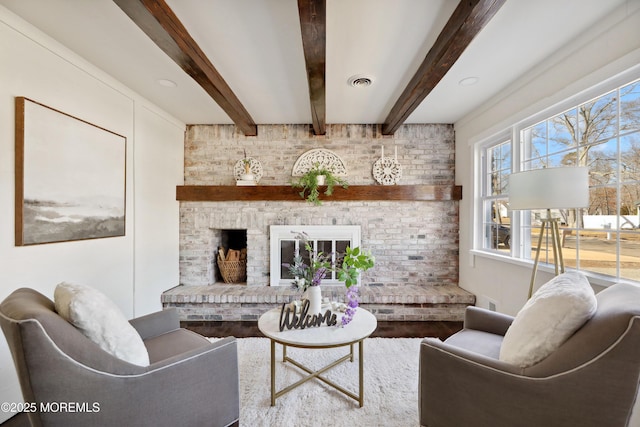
x,y
604,135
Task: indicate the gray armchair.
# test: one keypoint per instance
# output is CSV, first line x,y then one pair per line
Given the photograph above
x,y
590,381
190,381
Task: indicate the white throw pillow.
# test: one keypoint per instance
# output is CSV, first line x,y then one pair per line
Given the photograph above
x,y
558,309
100,320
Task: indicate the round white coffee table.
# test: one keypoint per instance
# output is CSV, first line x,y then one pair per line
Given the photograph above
x,y
361,327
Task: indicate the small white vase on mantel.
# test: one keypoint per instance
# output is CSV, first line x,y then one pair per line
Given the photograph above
x,y
314,295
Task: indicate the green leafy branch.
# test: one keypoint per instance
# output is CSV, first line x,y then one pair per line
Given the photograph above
x,y
354,262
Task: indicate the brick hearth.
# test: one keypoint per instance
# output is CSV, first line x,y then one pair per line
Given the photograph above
x,y
387,303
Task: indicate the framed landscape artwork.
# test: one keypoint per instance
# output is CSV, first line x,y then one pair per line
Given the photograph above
x,y
70,177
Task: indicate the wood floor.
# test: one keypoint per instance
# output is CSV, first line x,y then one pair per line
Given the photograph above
x,y
245,329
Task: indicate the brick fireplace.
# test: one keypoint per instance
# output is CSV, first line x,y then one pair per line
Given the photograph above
x,y
415,242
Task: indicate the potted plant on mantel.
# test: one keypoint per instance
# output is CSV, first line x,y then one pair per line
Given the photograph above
x,y
315,178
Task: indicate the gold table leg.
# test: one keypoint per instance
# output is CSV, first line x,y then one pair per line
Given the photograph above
x,y
361,371
273,373
318,374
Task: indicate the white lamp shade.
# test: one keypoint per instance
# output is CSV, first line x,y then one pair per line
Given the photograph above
x,y
550,188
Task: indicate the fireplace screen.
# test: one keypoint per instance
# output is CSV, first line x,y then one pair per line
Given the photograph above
x,y
327,239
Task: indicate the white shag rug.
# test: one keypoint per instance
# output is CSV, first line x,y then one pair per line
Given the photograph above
x,y
390,386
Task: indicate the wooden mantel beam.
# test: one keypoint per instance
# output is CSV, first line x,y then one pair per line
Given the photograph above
x,y
314,42
469,18
273,193
159,22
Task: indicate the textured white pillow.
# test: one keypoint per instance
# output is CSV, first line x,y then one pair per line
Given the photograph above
x,y
100,320
558,309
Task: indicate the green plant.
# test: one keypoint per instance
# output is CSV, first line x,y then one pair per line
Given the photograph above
x,y
354,262
309,184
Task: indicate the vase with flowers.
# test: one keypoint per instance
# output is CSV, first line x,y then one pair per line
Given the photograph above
x,y
347,266
308,277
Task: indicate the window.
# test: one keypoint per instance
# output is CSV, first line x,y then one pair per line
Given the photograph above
x,y
327,239
496,223
603,134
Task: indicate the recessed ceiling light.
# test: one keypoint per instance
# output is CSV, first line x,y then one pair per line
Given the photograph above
x,y
167,83
360,80
468,81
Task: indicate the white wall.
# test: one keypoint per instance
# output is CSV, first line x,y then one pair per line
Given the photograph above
x,y
609,48
133,270
158,154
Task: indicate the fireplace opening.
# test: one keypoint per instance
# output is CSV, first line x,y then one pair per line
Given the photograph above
x,y
329,239
233,239
231,260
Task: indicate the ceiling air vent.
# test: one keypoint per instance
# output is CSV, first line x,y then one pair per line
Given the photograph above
x,y
360,81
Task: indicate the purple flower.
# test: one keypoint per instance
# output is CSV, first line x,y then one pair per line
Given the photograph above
x,y
352,305
318,276
313,273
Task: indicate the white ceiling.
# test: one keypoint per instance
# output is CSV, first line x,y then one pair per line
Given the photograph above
x,y
256,46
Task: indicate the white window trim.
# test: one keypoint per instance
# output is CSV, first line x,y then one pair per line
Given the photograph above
x,y
478,177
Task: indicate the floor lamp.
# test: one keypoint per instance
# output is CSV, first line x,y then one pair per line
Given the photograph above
x,y
549,188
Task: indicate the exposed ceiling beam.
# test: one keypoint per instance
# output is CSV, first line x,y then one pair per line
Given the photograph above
x,y
159,22
464,24
314,42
